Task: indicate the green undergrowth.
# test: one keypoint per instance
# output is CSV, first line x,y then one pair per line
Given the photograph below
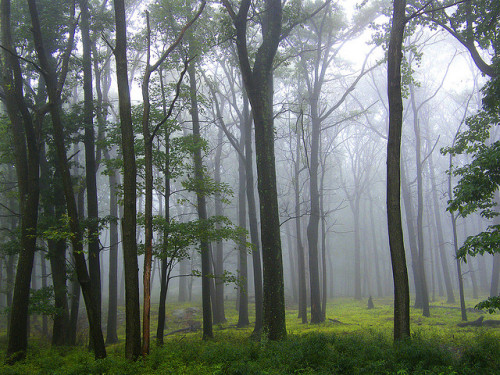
x,y
353,340
312,353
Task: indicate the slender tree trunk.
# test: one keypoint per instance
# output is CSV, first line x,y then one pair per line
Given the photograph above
x,y
398,259
357,249
440,237
313,226
376,259
495,276
412,237
242,222
129,244
495,273
298,230
90,163
183,281
252,219
292,269
420,209
43,267
75,285
111,329
164,259
219,316
463,309
202,209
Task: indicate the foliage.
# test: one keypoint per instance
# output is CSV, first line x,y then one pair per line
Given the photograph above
x,y
479,180
490,304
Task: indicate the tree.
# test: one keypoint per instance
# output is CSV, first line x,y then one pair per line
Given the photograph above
x,y
132,319
26,151
148,160
90,160
258,82
54,86
477,188
399,272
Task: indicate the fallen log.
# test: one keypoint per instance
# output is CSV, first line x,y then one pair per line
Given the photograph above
x,y
476,323
193,327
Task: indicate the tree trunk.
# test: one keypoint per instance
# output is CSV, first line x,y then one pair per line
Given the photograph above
x,y
242,251
75,285
26,154
219,316
357,249
453,218
259,87
420,208
129,244
412,237
441,243
398,259
252,218
90,163
111,329
63,166
202,208
313,226
380,292
298,230
164,260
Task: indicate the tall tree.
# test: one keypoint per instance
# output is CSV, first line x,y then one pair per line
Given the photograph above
x,y
148,161
26,152
54,87
399,272
258,82
129,244
201,202
90,161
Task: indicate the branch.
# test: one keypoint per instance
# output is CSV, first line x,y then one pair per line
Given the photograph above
x,y
422,10
431,151
179,38
303,19
324,115
8,209
108,43
234,142
38,68
66,57
172,104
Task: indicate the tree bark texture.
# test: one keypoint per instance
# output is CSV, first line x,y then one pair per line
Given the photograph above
x,y
398,259
129,244
26,154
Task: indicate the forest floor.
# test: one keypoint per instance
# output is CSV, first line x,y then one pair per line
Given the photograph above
x,y
352,340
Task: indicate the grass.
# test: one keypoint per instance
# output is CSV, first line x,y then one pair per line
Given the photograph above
x,y
361,344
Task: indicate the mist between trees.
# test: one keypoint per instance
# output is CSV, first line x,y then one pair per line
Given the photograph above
x,y
235,152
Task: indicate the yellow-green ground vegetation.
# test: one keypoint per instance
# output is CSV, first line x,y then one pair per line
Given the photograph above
x,y
352,340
